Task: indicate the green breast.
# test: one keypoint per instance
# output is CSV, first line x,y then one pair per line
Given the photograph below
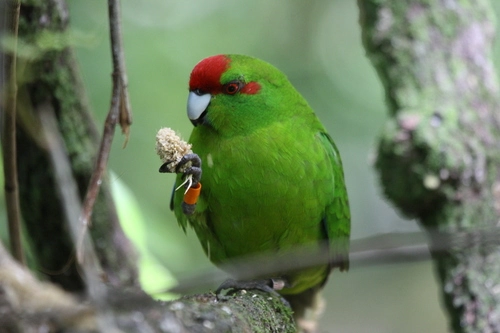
x,y
263,192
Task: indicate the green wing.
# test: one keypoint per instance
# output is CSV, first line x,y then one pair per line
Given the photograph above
x,y
199,221
337,221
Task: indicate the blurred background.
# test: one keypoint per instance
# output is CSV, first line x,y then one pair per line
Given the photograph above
x,y
318,45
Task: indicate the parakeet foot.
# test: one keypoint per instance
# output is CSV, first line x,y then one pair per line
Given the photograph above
x,y
269,286
194,169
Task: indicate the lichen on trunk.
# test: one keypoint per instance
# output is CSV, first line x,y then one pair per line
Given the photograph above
x,y
438,154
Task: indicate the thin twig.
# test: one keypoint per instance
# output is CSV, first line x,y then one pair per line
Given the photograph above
x,y
119,67
68,192
119,111
389,248
374,250
9,141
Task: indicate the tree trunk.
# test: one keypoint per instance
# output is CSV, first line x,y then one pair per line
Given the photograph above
x,y
438,156
49,79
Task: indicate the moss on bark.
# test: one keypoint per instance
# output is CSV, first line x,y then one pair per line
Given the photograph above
x,y
49,76
438,154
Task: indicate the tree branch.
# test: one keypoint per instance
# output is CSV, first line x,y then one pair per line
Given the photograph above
x,y
119,111
68,194
28,304
390,248
9,138
26,301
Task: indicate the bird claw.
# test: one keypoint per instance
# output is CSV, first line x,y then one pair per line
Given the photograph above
x,y
268,285
194,169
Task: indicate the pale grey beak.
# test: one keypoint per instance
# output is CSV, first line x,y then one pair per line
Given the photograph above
x,y
196,105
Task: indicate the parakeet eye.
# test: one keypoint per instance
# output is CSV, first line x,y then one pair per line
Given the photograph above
x,y
232,87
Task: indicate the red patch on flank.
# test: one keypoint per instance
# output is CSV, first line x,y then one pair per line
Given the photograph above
x,y
251,88
206,74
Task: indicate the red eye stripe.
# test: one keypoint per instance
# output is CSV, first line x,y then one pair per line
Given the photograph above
x,y
206,74
251,88
238,86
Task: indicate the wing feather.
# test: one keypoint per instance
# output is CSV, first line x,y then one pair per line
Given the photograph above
x,y
337,221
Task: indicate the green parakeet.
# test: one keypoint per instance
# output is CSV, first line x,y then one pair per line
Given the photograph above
x,y
272,176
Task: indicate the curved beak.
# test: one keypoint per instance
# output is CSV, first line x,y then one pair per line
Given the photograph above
x,y
197,106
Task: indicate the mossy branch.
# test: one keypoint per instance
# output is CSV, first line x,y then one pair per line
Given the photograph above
x,y
28,304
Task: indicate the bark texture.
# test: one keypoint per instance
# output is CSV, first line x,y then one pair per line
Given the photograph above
x,y
49,78
438,155
28,305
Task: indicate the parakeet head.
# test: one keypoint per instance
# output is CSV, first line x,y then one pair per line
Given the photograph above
x,y
235,94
